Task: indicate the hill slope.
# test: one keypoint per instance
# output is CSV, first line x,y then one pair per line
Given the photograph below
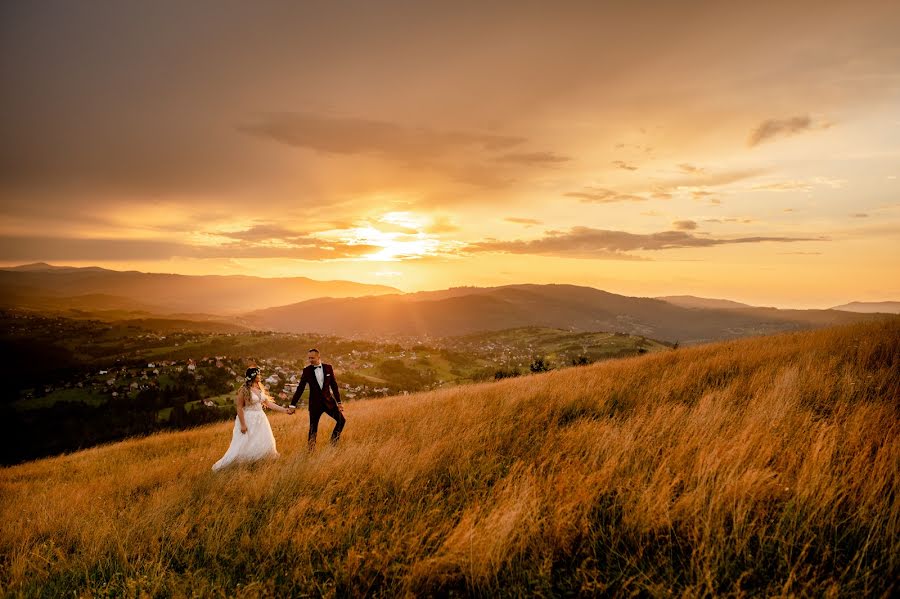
x,y
461,311
764,466
691,301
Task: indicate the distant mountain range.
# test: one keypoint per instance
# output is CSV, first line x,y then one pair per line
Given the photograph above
x,y
468,309
54,288
871,307
352,309
690,301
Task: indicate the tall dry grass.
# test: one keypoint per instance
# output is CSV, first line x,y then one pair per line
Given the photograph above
x,y
766,466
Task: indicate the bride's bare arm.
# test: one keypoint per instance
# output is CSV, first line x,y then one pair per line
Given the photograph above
x,y
239,406
274,406
270,403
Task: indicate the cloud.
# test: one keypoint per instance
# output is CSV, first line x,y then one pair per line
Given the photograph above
x,y
624,165
772,128
347,135
587,242
26,248
691,169
663,190
784,186
597,195
634,147
860,215
534,158
708,179
685,225
522,221
455,155
796,185
266,232
728,220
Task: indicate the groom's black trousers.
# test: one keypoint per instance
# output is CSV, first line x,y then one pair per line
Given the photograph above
x,y
315,413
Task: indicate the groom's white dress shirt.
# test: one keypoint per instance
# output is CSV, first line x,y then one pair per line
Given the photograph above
x,y
320,376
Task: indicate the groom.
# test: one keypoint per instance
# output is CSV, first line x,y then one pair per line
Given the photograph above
x,y
324,397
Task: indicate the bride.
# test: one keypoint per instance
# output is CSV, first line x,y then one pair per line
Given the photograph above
x,y
252,437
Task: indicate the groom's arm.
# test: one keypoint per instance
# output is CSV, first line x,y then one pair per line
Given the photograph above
x,y
334,387
301,387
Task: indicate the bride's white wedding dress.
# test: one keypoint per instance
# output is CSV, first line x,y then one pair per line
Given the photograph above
x,y
258,442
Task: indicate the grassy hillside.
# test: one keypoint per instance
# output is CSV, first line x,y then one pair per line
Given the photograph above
x,y
765,466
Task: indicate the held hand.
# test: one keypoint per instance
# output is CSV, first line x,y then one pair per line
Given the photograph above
x,y
243,429
341,407
290,411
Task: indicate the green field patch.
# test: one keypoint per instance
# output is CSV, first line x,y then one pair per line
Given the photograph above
x,y
74,394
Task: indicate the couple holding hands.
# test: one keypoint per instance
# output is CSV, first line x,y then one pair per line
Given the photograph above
x,y
252,438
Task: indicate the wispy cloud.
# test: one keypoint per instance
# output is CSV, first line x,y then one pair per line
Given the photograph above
x,y
441,151
772,128
691,169
587,242
729,220
534,158
784,186
522,221
59,248
266,232
624,165
348,135
799,185
598,195
696,184
685,225
706,178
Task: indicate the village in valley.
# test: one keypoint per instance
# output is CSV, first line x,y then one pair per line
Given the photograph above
x,y
83,381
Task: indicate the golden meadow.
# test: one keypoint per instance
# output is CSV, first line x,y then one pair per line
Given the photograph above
x,y
761,466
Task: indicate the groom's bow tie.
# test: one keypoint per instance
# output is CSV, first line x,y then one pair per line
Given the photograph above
x,y
319,366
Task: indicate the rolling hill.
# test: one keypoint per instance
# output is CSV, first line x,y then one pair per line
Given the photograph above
x,y
691,301
468,310
758,467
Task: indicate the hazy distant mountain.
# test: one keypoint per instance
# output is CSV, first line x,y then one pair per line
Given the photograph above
x,y
43,266
871,307
690,301
37,285
564,306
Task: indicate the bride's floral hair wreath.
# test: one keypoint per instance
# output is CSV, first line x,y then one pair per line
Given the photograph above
x,y
251,374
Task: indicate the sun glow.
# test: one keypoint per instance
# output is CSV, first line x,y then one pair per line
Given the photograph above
x,y
394,245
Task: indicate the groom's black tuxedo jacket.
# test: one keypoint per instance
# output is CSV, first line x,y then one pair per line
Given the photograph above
x,y
320,398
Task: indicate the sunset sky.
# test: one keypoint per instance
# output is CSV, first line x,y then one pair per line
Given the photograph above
x,y
644,148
